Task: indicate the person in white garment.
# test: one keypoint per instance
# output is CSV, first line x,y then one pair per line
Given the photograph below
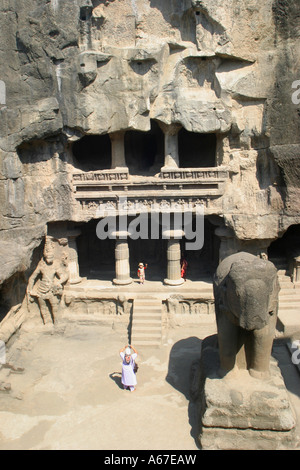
x,y
128,367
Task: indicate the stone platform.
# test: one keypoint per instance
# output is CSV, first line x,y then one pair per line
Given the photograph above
x,y
241,412
190,297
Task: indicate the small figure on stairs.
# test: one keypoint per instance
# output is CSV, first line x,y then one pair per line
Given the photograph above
x,y
141,272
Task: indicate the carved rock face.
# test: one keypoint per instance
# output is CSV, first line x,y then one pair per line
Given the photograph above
x,y
72,69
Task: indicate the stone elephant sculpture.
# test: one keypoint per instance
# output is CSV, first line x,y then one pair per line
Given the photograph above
x,y
246,303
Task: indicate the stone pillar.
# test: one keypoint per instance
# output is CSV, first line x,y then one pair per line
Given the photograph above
x,y
228,243
171,144
117,150
173,257
73,265
296,270
122,259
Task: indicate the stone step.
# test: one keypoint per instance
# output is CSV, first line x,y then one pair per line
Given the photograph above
x,y
154,329
286,296
153,312
285,282
289,322
289,296
146,322
284,278
282,271
146,336
149,344
289,304
147,305
289,291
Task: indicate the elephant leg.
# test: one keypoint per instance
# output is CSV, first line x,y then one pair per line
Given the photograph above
x,y
228,343
262,342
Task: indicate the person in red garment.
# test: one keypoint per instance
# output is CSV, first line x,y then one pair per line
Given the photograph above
x,y
184,265
141,272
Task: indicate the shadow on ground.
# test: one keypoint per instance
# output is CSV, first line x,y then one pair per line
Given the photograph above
x,y
117,378
183,355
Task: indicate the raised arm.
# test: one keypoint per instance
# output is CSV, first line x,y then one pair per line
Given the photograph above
x,y
134,350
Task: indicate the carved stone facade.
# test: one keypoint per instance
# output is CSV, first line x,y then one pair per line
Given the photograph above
x,y
101,106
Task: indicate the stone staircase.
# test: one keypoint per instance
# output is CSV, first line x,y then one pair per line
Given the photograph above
x,y
289,304
146,322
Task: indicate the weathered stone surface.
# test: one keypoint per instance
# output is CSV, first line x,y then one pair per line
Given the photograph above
x,y
81,68
242,412
242,402
247,439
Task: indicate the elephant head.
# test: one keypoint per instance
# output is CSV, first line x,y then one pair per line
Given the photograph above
x,y
251,292
247,290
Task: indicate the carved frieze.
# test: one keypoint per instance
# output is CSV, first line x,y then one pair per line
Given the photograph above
x,y
142,205
98,176
194,174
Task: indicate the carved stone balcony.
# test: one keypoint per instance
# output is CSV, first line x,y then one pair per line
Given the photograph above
x,y
172,186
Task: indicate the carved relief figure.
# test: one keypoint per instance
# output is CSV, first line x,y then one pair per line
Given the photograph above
x,y
47,282
246,301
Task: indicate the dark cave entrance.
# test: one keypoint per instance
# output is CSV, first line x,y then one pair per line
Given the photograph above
x,y
283,251
97,257
196,150
92,152
144,151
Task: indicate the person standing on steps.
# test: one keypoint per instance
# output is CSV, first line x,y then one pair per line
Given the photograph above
x,y
128,367
141,272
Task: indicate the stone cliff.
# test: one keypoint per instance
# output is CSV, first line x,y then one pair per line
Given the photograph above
x,y
95,68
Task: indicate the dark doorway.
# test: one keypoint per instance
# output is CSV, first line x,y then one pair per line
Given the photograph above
x,y
282,251
144,151
203,262
92,152
196,150
96,257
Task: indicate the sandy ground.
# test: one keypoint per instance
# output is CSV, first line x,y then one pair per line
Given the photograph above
x,y
70,395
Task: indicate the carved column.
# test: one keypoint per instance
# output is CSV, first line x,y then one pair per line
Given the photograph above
x,y
117,149
122,259
73,265
173,257
296,270
171,144
228,244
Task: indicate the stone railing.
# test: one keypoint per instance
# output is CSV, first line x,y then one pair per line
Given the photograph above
x,y
193,173
101,176
172,187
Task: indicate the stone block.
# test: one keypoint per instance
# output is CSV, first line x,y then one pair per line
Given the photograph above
x,y
242,412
